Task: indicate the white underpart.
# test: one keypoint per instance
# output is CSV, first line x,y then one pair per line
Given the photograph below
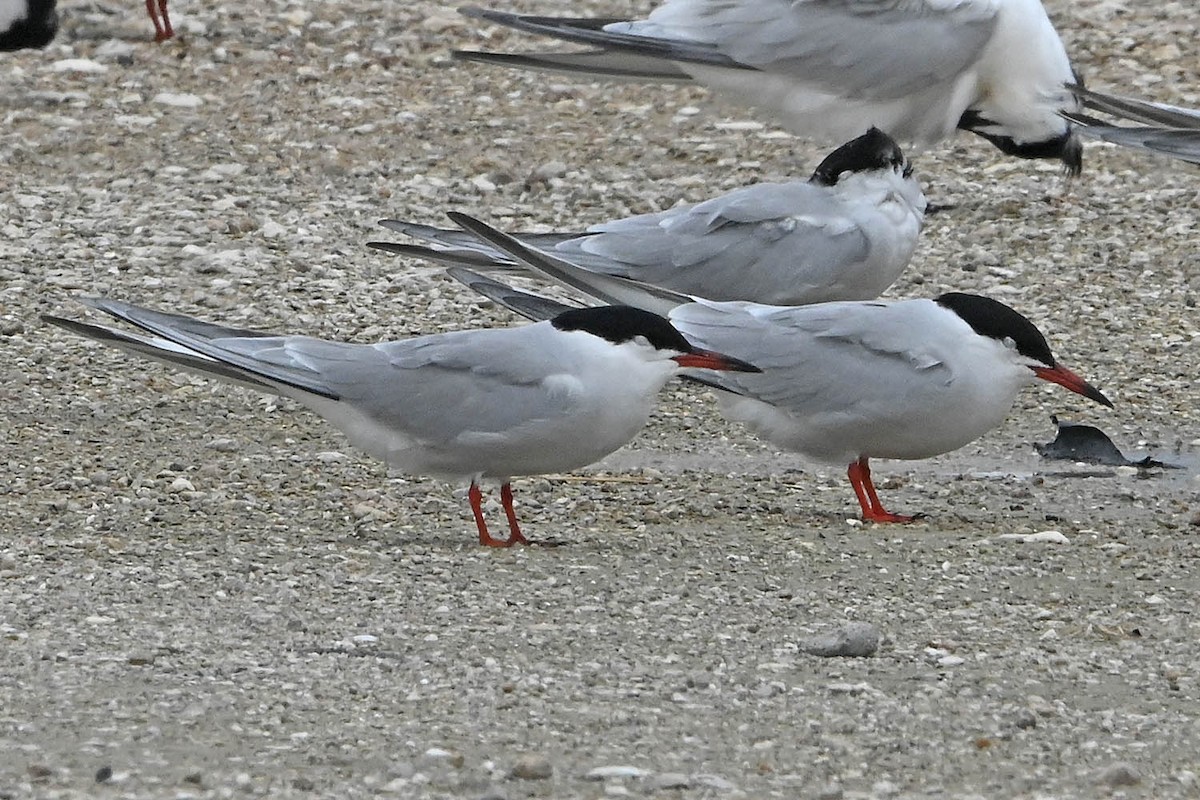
x,y
889,209
1022,75
612,386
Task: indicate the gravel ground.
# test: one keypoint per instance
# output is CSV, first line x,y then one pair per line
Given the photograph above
x,y
205,593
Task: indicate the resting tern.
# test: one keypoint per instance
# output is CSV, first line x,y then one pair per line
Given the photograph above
x,y
846,233
548,397
919,69
849,381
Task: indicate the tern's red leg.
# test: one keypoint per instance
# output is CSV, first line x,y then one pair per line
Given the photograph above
x,y
514,530
485,538
872,510
162,27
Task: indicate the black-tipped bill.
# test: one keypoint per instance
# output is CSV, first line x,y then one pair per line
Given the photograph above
x,y
1064,377
708,359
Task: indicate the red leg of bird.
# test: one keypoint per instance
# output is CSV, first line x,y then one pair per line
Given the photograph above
x,y
485,538
161,19
514,530
872,510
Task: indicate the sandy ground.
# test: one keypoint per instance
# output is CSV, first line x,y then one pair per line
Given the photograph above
x,y
205,593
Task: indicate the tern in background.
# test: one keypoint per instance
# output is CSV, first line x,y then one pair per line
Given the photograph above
x,y
553,396
846,233
918,69
842,382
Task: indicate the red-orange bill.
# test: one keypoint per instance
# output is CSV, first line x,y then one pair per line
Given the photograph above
x,y
1064,377
708,359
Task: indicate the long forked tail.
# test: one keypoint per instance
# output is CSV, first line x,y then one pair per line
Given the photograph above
x,y
1161,128
528,305
234,355
1130,109
162,350
606,289
619,54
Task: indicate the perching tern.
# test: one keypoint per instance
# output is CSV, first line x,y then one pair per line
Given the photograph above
x,y
846,233
493,403
918,69
843,382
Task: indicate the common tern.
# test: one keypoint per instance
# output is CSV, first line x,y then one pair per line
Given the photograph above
x,y
491,403
844,382
919,69
846,233
27,23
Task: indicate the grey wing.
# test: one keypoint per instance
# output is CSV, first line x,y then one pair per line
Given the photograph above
x,y
832,357
874,49
442,387
878,49
769,242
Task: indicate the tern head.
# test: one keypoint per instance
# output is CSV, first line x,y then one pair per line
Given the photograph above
x,y
995,320
872,151
1066,145
625,324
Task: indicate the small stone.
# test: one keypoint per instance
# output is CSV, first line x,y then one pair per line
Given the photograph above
x,y
178,100
831,792
614,772
1041,537
532,768
78,65
1118,775
194,778
103,774
181,485
223,445
853,640
11,326
671,780
303,784
951,661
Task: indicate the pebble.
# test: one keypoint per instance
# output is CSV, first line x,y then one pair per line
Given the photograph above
x,y
532,768
1118,775
178,100
854,640
78,65
614,772
1046,537
669,780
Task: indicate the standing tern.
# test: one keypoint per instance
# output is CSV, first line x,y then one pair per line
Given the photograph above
x,y
919,69
846,233
553,396
849,381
